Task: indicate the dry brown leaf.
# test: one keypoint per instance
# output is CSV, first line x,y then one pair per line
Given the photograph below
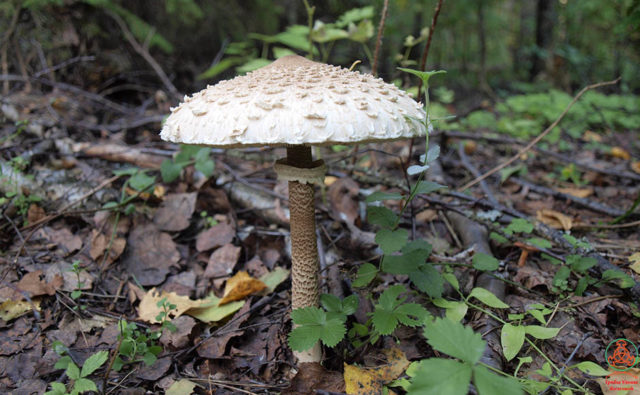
x,y
554,219
240,286
577,192
175,211
149,309
150,254
214,237
619,152
628,379
35,284
372,380
635,166
222,261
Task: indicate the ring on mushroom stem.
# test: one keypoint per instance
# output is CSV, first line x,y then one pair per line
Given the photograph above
x,y
296,103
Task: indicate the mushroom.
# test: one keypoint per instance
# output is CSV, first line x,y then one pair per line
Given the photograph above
x,y
296,103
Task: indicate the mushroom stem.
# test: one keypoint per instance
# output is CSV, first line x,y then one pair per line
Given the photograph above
x,y
304,250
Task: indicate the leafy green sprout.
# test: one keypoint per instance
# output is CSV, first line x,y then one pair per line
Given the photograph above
x,y
80,381
163,316
136,345
209,221
77,292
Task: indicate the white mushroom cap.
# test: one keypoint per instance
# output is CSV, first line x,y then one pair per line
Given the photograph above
x,y
295,101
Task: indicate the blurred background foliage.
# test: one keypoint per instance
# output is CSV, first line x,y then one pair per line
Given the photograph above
x,y
490,48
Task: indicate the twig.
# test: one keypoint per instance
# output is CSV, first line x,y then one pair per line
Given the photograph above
x,y
573,353
376,53
464,159
427,45
65,64
540,136
142,51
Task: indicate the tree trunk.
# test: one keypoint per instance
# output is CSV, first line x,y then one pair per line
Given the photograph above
x,y
545,18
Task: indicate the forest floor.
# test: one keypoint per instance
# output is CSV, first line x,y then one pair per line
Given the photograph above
x,y
148,285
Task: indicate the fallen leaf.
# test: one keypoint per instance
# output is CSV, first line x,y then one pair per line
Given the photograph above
x,y
635,166
554,219
181,387
214,237
63,238
101,242
240,286
312,377
328,180
591,136
619,152
215,345
155,371
12,309
577,192
180,338
175,211
35,284
148,309
634,259
150,254
372,380
343,197
222,261
69,281
35,213
211,311
274,278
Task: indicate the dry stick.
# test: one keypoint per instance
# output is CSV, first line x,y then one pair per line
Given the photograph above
x,y
144,52
540,136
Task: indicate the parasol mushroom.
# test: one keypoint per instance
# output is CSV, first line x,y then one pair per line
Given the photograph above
x,y
296,103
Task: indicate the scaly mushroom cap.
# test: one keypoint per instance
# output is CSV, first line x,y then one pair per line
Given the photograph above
x,y
295,101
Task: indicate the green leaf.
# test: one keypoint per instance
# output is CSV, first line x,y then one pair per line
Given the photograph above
x,y
582,285
541,332
591,369
519,225
455,339
141,181
487,298
378,196
402,264
390,310
366,273
512,339
489,383
355,15
187,151
423,75
392,240
205,167
538,315
455,311
425,187
561,276
94,362
350,304
129,171
333,304
485,262
313,324
56,389
63,362
149,358
452,279
170,171
580,264
428,280
626,281
382,216
221,66
84,385
438,376
72,371
538,242
498,238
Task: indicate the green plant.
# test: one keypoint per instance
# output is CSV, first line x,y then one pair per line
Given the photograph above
x,y
188,155
79,377
136,345
163,316
77,292
209,221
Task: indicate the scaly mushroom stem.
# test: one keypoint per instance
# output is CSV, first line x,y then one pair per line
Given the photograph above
x,y
304,250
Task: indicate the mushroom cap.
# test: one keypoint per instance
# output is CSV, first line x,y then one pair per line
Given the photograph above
x,y
295,101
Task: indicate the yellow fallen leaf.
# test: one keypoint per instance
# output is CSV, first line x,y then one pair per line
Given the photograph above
x,y
634,259
619,152
181,387
610,384
12,309
211,310
635,166
240,286
577,192
328,180
554,219
362,380
591,136
148,309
